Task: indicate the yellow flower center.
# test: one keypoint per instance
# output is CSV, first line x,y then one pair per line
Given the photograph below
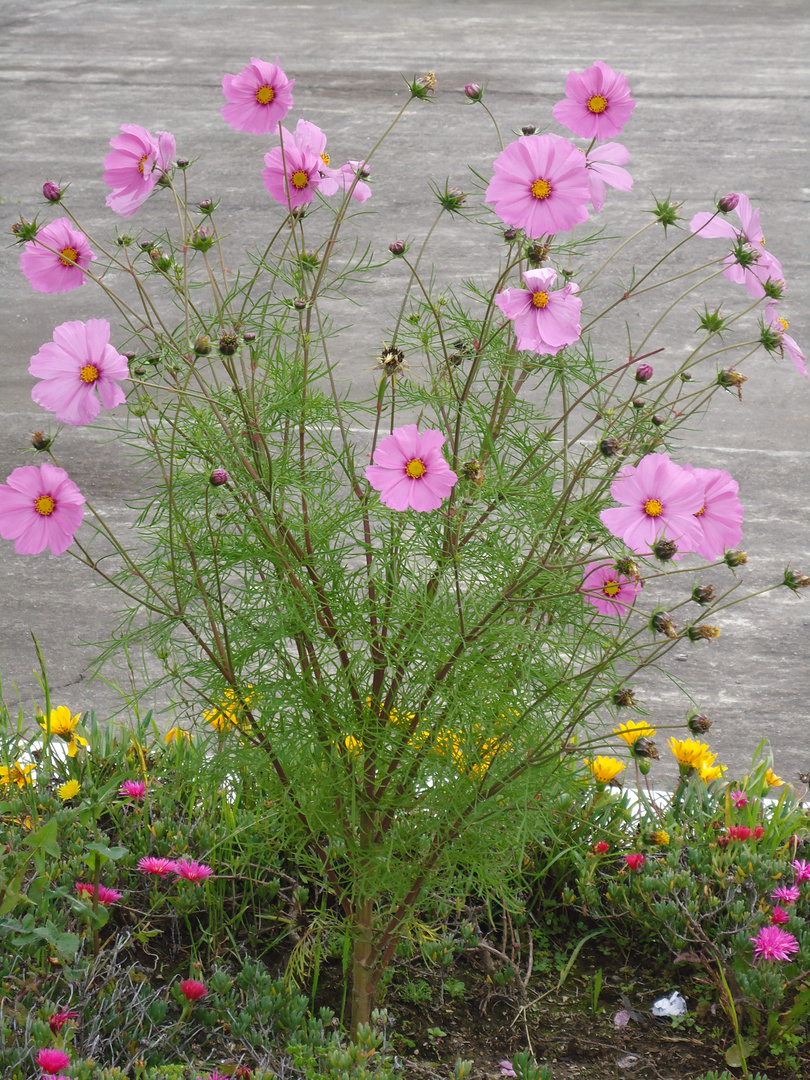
x,y
610,588
541,189
597,104
539,299
265,94
141,163
45,505
783,323
88,374
653,508
415,469
68,256
299,179
325,158
700,512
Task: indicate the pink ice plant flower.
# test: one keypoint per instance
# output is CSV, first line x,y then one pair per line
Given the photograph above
x,y
40,507
293,174
787,894
739,799
506,1068
764,267
802,870
786,343
597,102
133,789
192,871
659,499
151,864
134,165
610,592
772,943
52,1061
779,916
541,185
410,471
79,370
258,98
635,860
56,260
720,517
105,895
604,167
193,989
546,319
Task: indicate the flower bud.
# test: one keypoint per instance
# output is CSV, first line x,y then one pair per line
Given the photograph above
x,y
662,623
398,247
509,234
735,558
722,841
703,594
206,206
182,163
686,376
610,447
644,372
124,240
795,581
643,766
51,191
130,356
638,402
664,549
645,748
219,477
300,303
728,202
528,129
473,91
202,346
228,343
624,698
699,723
703,633
658,420
40,441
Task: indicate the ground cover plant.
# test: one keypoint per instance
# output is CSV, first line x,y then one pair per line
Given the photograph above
x,y
406,617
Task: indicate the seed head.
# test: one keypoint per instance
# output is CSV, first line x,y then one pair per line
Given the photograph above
x,y
202,346
228,343
735,558
645,748
703,633
391,360
698,723
732,380
795,581
625,698
40,441
474,470
703,594
662,623
628,567
610,447
664,549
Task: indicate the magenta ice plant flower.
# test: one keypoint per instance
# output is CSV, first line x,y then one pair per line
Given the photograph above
x,y
134,165
779,916
546,319
720,517
410,471
786,343
258,98
541,185
40,507
773,943
78,368
787,894
597,102
193,989
802,870
608,590
739,799
105,895
56,260
604,167
759,265
659,500
293,174
152,864
192,871
52,1061
133,789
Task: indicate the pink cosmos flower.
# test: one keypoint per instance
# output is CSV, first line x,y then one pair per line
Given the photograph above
x,y
802,869
410,471
309,137
763,265
546,319
604,167
193,989
597,102
258,97
151,864
659,499
739,799
105,895
786,342
608,590
133,789
771,943
193,871
788,894
77,368
541,185
55,262
41,507
779,916
345,178
134,165
635,861
720,517
52,1061
293,176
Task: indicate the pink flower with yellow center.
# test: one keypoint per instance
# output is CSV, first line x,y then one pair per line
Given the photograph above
x,y
151,864
293,174
541,185
192,871
134,165
56,260
410,471
720,517
772,943
597,102
546,319
610,592
604,167
40,507
105,895
258,98
759,265
659,500
79,370
133,790
786,343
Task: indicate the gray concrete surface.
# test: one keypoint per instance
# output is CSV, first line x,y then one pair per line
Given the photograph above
x,y
722,92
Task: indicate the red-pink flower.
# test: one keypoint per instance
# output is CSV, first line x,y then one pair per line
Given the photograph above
x,y
758,832
151,864
56,260
40,507
758,266
77,368
258,97
193,871
772,943
597,102
608,590
786,343
604,167
410,471
788,894
52,1061
601,847
134,165
546,319
58,1020
293,174
739,832
739,799
802,869
133,789
779,916
193,989
720,517
105,895
659,499
635,860
541,185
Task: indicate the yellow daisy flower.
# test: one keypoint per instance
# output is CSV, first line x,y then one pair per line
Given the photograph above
x,y
63,724
634,730
16,774
688,752
229,712
660,837
708,770
69,790
176,735
354,746
772,780
604,769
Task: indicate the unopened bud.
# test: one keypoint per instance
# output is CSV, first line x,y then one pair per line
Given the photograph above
x,y
703,594
219,477
624,698
795,581
664,549
202,346
206,206
130,356
686,376
124,240
51,191
528,129
473,91
643,766
610,447
735,558
728,202
703,633
658,420
228,343
699,724
398,247
644,372
722,841
182,163
509,234
300,303
663,624
645,748
40,441
638,402
249,336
